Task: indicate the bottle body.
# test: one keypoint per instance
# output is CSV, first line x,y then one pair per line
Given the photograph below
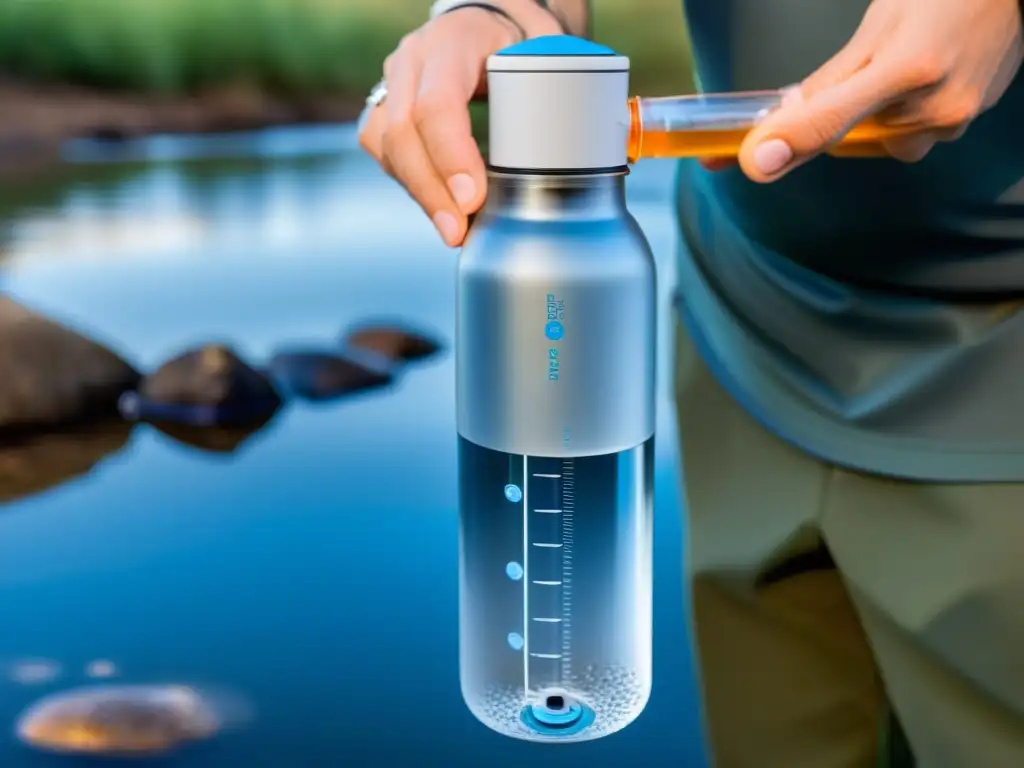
x,y
555,359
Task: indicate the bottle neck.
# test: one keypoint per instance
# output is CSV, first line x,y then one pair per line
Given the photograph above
x,y
543,197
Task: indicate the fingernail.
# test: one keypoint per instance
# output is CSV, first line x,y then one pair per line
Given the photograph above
x,y
463,189
447,226
772,156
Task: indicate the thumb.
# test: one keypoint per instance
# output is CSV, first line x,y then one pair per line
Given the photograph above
x,y
816,116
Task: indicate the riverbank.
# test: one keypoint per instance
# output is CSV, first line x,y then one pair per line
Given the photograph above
x,y
109,70
113,70
38,120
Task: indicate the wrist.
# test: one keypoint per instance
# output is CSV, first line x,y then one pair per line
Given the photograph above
x,y
535,18
524,17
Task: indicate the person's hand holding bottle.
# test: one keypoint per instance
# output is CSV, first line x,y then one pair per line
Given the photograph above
x,y
420,133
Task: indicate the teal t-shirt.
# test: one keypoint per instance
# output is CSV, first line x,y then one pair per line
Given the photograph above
x,y
864,310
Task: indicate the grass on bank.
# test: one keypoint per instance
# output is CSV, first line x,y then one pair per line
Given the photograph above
x,y
285,47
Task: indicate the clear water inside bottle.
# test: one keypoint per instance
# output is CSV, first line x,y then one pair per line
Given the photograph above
x,y
555,614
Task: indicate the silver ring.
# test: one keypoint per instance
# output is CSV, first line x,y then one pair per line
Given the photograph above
x,y
378,93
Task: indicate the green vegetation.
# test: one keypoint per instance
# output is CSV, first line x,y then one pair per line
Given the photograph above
x,y
653,35
289,47
175,46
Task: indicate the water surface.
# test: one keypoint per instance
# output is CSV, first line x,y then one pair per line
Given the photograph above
x,y
315,569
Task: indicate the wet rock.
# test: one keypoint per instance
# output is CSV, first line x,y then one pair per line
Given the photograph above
x,y
51,376
33,463
206,386
393,342
322,376
119,720
109,133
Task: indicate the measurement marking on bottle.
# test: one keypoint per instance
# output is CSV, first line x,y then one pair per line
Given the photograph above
x,y
547,621
568,507
546,655
549,583
545,544
542,474
526,587
549,511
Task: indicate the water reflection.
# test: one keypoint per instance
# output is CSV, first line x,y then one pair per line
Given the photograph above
x,y
114,211
316,570
101,668
33,671
319,376
216,439
31,464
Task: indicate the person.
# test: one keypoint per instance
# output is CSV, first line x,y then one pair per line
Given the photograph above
x,y
849,362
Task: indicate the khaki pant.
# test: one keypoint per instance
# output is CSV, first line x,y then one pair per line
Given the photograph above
x,y
823,597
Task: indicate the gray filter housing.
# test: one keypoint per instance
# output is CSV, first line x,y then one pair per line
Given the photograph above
x,y
556,284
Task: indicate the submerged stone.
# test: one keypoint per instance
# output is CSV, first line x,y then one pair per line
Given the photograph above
x,y
53,376
208,385
324,376
395,343
119,720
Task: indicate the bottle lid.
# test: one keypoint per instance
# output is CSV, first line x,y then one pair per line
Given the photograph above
x,y
558,103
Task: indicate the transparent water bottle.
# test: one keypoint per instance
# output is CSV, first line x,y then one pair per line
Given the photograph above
x,y
555,357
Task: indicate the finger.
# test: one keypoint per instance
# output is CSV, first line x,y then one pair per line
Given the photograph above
x,y
795,133
371,135
952,134
405,152
936,109
442,120
911,148
372,122
914,147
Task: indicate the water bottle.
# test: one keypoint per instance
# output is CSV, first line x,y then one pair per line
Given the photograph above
x,y
555,359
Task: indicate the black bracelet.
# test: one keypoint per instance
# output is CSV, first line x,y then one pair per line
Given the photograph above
x,y
495,10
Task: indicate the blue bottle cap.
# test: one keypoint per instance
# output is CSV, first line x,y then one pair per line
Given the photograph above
x,y
556,45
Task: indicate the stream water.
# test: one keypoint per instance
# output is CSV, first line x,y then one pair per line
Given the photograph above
x,y
312,572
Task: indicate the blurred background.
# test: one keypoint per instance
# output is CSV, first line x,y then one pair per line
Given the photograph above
x,y
185,214
109,69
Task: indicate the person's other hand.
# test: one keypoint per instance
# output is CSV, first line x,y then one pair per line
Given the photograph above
x,y
931,66
421,133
